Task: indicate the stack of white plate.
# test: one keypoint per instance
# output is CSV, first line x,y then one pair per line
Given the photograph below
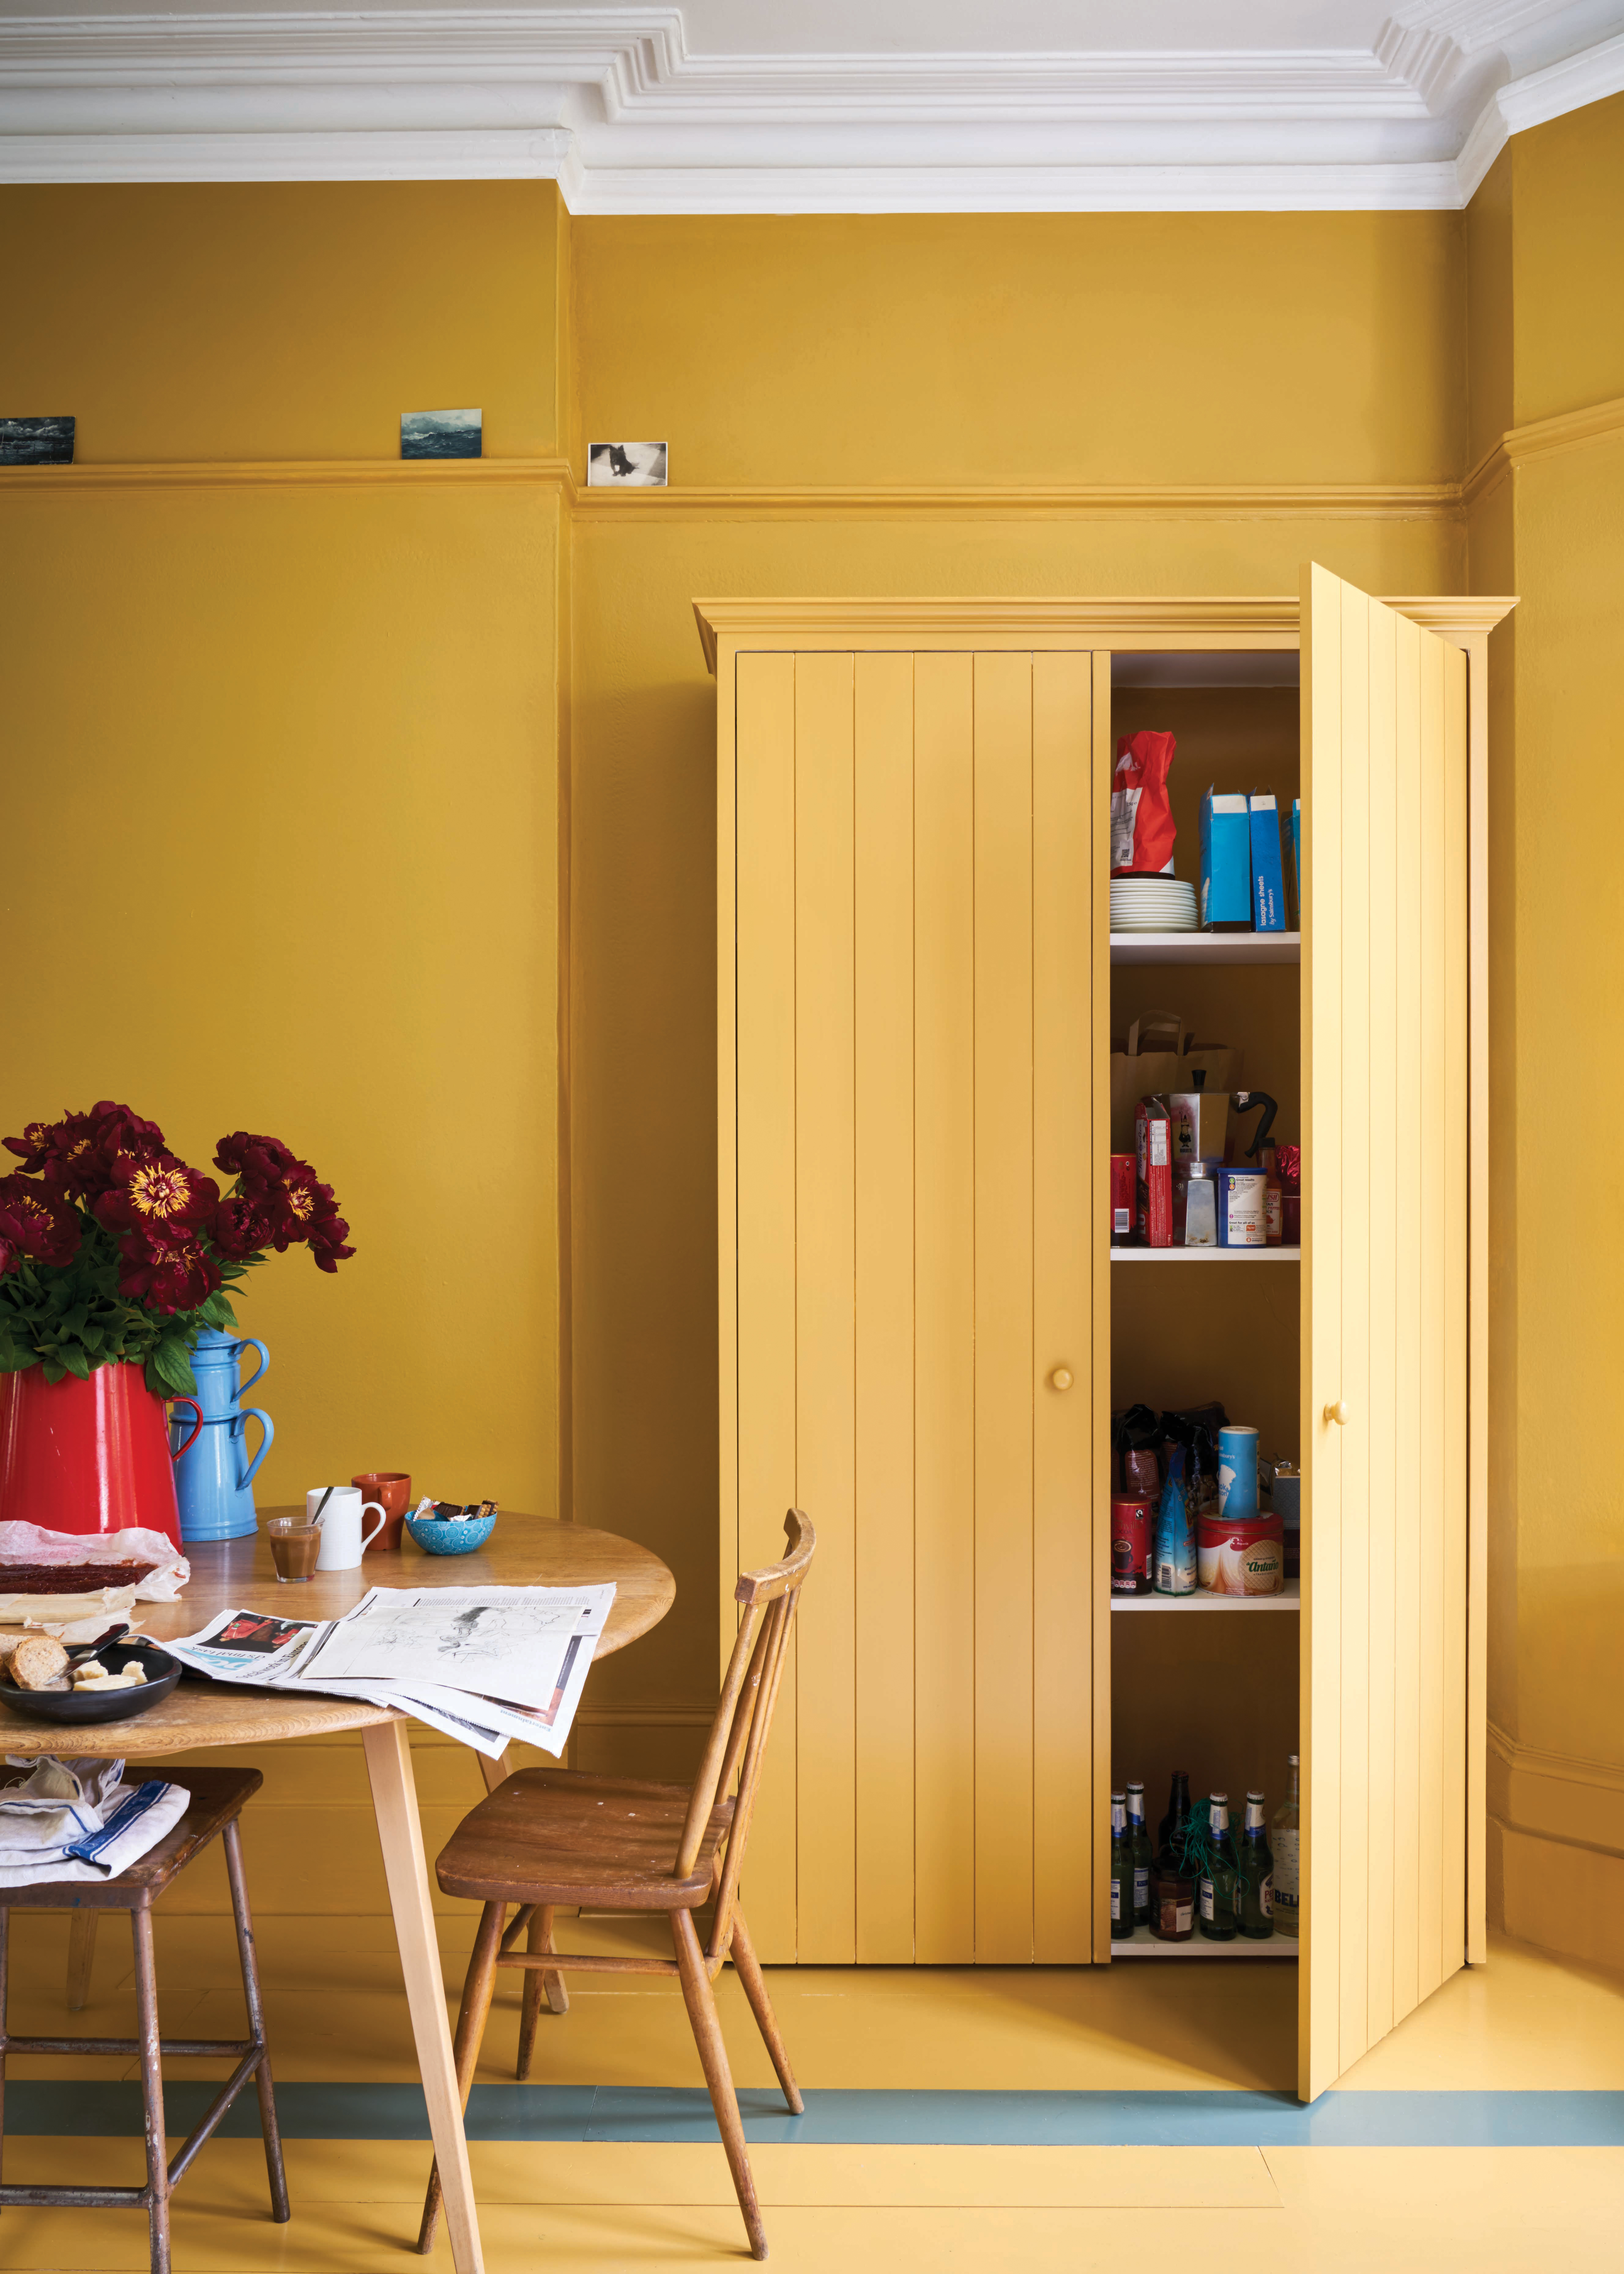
x,y
1153,904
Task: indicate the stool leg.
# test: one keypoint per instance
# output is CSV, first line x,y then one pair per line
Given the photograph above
x,y
249,1958
152,2088
538,1943
81,1958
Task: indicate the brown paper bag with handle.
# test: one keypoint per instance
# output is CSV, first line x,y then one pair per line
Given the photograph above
x,y
1163,1055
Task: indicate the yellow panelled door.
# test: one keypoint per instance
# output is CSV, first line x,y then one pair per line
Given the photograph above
x,y
913,909
1385,1320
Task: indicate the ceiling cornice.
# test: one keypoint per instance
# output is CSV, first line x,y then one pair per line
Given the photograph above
x,y
611,104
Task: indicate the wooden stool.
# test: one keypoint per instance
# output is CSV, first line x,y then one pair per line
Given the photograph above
x,y
217,1799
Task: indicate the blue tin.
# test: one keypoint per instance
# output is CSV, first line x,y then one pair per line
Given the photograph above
x,y
214,1480
1242,1207
1238,1472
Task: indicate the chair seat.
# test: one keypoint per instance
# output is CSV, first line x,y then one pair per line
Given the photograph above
x,y
558,1836
218,1796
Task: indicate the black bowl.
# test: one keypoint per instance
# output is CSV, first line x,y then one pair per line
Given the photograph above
x,y
162,1673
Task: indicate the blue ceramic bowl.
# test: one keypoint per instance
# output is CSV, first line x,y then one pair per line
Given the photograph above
x,y
450,1535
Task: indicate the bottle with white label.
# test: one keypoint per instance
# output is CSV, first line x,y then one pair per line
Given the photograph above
x,y
1121,1872
1138,1842
1220,1888
1256,1904
1283,1835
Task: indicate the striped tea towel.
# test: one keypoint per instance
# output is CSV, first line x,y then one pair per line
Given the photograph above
x,y
80,1820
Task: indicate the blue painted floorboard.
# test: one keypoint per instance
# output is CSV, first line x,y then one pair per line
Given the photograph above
x,y
61,2108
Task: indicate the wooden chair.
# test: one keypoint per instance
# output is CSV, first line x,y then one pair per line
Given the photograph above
x,y
546,1837
218,1797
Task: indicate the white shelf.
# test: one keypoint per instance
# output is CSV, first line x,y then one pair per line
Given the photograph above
x,y
1206,1255
1144,1945
1206,947
1289,1598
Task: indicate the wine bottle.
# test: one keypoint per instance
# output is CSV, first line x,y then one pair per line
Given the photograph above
x,y
1257,1921
1121,1872
1139,1841
1219,1891
1283,1842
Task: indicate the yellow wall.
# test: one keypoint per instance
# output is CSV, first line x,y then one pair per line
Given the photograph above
x,y
1547,234
280,793
287,763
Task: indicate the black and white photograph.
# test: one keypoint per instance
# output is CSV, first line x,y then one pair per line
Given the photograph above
x,y
36,442
442,434
626,465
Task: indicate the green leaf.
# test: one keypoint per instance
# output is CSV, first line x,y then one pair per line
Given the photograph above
x,y
171,1364
53,1369
74,1358
14,1357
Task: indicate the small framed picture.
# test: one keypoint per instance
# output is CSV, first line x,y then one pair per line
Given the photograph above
x,y
36,442
442,434
626,465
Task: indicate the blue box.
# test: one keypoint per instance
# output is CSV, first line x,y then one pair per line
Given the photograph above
x,y
1268,883
1226,863
1296,864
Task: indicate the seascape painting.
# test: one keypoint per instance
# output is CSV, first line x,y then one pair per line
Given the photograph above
x,y
626,465
442,434
36,442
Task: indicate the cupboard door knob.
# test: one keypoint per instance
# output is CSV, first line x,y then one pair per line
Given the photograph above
x,y
1337,1412
1061,1378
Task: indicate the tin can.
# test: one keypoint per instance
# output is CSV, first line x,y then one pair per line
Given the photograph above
x,y
1123,1169
1130,1529
1237,1471
1240,1558
1242,1220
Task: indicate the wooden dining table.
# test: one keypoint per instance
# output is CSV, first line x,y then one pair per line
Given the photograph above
x,y
523,1551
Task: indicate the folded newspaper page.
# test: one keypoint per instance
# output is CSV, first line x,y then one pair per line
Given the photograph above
x,y
484,1665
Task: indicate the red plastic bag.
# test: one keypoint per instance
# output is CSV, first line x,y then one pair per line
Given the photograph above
x,y
1142,830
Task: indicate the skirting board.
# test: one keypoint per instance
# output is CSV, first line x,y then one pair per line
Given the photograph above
x,y
1556,1894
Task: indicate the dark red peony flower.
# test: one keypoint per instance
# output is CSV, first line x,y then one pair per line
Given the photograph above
x,y
167,1268
36,1223
77,1153
155,1192
242,1227
258,1160
326,1242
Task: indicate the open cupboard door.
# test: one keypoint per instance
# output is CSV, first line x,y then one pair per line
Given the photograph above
x,y
1385,1089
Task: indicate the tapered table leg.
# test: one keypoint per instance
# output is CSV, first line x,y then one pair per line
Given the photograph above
x,y
395,1802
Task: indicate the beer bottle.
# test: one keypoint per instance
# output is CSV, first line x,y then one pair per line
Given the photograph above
x,y
1257,1921
1121,1872
1170,1833
1219,1891
1283,1841
1138,1842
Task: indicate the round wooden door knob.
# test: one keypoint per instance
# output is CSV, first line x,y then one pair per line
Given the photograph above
x,y
1061,1378
1337,1412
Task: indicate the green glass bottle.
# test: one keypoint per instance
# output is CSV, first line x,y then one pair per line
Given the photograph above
x,y
1283,1843
1257,1921
1139,1841
1218,1918
1122,1872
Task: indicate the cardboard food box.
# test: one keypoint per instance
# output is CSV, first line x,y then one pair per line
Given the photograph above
x,y
1268,882
1154,1152
1226,862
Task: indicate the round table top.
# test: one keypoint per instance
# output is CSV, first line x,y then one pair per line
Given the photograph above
x,y
523,1551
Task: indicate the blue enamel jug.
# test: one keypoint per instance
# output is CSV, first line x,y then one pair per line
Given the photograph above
x,y
214,1478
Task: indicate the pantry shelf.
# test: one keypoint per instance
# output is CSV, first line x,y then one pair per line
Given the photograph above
x,y
1289,1598
1206,1255
1197,947
1144,1945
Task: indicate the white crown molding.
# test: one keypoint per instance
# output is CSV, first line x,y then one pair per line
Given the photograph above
x,y
611,105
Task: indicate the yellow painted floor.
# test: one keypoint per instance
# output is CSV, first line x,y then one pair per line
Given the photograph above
x,y
1526,2021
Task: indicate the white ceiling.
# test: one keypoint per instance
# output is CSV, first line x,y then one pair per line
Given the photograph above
x,y
805,106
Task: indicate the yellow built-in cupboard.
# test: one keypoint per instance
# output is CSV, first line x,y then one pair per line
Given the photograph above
x,y
914,1011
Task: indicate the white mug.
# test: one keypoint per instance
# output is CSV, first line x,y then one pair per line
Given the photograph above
x,y
343,1541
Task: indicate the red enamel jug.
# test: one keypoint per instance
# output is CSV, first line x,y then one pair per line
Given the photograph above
x,y
90,1456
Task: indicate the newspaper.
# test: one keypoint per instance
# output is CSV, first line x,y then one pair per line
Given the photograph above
x,y
484,1665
